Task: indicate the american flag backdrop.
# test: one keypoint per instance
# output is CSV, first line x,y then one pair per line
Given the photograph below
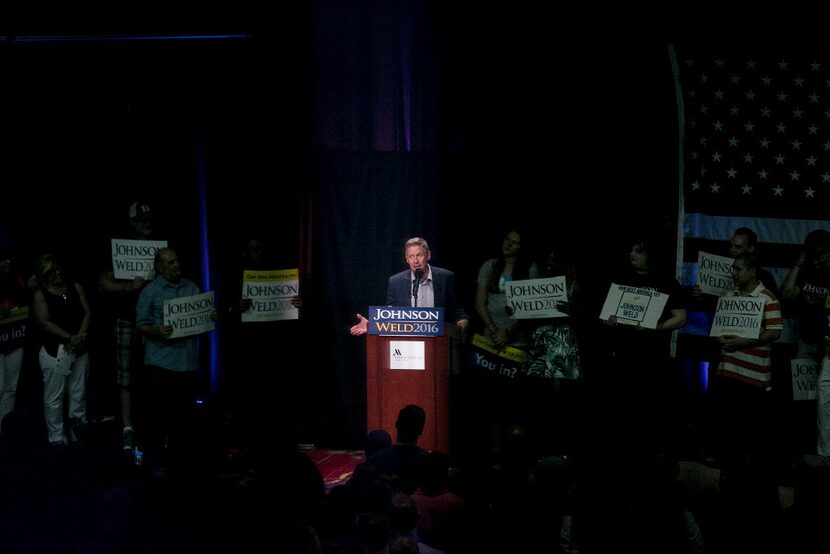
x,y
754,152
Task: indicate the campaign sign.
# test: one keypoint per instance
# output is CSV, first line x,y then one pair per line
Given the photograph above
x,y
805,378
738,315
134,258
507,361
404,321
536,298
189,315
634,306
714,274
270,293
13,329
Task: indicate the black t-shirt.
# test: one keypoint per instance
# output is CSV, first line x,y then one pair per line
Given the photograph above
x,y
630,345
811,304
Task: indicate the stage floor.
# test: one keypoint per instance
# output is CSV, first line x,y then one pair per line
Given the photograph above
x,y
335,466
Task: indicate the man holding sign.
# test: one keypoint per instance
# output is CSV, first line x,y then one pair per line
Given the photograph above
x,y
263,404
747,322
714,279
129,268
171,361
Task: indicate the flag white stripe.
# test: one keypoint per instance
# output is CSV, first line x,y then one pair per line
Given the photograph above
x,y
769,229
688,275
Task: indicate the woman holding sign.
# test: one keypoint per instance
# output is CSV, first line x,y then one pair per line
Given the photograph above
x,y
643,307
554,362
499,399
491,300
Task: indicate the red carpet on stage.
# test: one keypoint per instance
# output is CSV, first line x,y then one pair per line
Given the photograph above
x,y
336,466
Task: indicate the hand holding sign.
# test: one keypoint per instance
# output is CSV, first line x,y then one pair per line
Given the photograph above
x,y
188,315
638,307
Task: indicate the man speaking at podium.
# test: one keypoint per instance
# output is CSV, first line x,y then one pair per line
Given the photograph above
x,y
421,285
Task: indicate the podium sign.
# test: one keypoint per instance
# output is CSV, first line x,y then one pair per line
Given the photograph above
x,y
404,321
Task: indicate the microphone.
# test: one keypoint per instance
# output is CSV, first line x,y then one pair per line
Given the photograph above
x,y
419,274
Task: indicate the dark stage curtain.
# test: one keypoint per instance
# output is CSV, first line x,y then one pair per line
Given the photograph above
x,y
383,109
365,205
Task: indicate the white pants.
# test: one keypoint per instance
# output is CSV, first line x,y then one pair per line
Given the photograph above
x,y
823,407
56,386
10,364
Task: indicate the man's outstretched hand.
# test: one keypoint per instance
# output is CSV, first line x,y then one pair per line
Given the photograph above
x,y
361,327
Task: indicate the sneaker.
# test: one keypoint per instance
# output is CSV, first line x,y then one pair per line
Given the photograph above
x,y
128,439
814,461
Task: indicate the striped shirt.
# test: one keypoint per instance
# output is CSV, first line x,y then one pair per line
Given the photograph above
x,y
753,365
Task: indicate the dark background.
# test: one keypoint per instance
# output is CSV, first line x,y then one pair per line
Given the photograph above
x,y
341,128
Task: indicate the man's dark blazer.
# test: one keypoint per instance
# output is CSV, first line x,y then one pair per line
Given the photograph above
x,y
399,292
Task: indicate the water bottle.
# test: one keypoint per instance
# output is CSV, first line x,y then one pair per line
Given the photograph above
x,y
138,456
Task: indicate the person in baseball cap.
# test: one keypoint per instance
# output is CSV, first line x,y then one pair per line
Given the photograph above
x,y
122,294
141,210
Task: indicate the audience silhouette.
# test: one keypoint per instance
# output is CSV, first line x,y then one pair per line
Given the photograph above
x,y
403,457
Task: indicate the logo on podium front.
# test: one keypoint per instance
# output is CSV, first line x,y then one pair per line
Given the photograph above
x,y
405,321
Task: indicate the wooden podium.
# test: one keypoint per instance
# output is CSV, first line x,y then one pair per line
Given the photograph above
x,y
388,390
